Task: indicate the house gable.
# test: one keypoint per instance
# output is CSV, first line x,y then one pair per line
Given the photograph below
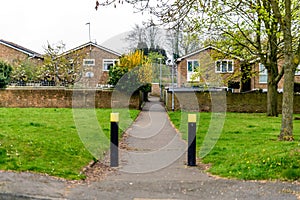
x,y
95,61
207,59
92,45
10,51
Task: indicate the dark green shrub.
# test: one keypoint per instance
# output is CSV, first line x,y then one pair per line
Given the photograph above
x,y
5,71
234,84
116,73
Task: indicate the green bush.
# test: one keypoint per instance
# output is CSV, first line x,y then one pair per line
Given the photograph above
x,y
116,73
5,71
234,84
25,71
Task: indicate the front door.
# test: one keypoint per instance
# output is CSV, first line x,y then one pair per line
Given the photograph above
x,y
192,68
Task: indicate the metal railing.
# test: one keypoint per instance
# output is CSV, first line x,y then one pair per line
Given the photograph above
x,y
52,84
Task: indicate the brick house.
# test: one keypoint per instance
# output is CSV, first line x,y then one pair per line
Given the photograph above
x,y
227,70
12,53
260,80
215,67
96,62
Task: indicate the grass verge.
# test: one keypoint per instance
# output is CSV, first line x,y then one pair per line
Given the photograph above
x,y
247,147
45,140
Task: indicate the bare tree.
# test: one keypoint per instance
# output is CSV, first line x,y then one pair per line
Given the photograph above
x,y
147,37
60,68
136,37
152,34
182,42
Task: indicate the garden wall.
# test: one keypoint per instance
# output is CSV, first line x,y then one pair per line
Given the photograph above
x,y
155,91
235,102
64,98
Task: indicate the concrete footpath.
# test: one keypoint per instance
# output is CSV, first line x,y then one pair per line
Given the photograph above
x,y
152,166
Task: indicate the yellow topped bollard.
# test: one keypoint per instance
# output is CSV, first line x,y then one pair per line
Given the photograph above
x,y
192,119
114,140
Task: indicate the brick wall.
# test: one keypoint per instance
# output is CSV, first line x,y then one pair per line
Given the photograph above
x,y
235,102
155,91
11,55
64,98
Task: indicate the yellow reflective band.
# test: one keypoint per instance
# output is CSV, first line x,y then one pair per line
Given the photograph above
x,y
114,117
192,118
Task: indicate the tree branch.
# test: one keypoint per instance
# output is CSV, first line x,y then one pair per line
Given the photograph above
x,y
280,75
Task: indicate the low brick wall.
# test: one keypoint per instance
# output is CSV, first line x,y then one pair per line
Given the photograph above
x,y
235,102
155,91
64,98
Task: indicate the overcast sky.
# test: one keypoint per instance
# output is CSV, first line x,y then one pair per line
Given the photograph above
x,y
33,23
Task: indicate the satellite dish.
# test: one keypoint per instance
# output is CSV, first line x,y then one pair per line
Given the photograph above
x,y
89,74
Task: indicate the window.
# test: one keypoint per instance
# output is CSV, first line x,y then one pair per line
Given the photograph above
x,y
297,72
192,66
224,66
107,63
263,74
88,62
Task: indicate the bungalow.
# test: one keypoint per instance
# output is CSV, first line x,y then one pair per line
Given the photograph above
x,y
261,80
11,53
96,61
212,67
208,66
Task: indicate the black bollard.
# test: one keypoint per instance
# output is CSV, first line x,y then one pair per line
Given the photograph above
x,y
114,140
192,139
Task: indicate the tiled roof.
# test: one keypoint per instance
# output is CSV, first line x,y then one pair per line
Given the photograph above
x,y
95,45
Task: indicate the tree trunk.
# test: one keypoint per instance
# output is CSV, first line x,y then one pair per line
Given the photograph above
x,y
145,96
286,132
272,68
285,20
272,99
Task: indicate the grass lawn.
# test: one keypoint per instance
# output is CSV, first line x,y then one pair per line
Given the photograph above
x,y
247,147
45,140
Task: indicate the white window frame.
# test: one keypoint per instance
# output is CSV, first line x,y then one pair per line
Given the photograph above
x,y
193,65
190,73
110,61
263,74
88,62
224,70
